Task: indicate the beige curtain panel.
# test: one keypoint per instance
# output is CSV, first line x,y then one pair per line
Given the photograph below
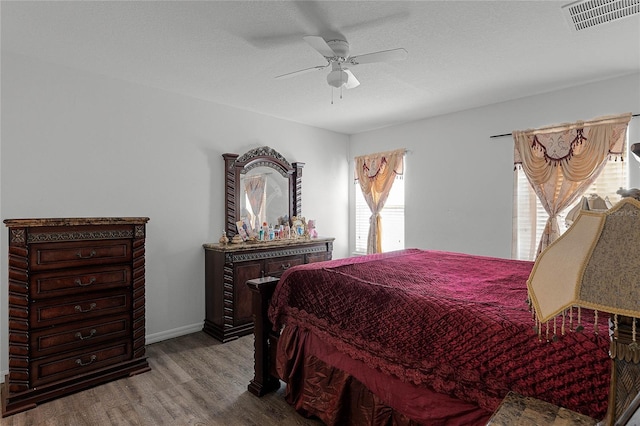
x,y
562,161
376,173
255,188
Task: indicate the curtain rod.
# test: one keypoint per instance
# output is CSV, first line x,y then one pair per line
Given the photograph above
x,y
509,134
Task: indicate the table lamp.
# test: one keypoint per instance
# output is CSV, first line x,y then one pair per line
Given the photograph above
x,y
595,264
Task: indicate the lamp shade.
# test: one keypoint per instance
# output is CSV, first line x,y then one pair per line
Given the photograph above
x,y
595,264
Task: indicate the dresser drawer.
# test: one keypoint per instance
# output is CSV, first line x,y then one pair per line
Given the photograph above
x,y
57,311
75,363
67,282
276,267
76,336
318,257
47,256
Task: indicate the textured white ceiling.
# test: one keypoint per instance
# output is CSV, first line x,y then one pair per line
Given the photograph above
x,y
462,54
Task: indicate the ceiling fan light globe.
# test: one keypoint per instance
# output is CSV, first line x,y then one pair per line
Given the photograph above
x,y
337,78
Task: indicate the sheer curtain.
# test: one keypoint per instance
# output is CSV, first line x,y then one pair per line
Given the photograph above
x,y
255,187
376,174
562,161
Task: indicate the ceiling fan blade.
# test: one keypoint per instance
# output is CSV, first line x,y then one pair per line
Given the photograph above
x,y
299,72
352,81
320,45
382,56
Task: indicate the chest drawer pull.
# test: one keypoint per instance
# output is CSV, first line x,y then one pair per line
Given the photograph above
x,y
79,308
285,267
91,334
91,254
81,284
82,364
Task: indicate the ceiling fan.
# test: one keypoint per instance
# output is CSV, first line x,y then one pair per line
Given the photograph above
x,y
336,52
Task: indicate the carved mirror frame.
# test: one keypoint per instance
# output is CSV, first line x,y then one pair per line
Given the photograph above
x,y
236,165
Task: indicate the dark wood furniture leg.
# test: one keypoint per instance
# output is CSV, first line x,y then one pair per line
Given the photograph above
x,y
263,381
625,373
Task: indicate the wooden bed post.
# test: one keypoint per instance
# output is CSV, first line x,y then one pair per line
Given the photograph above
x,y
625,373
263,381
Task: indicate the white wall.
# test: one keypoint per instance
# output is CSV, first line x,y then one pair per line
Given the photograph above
x,y
77,144
459,182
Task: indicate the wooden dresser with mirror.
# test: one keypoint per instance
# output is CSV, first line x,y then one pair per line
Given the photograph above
x,y
229,266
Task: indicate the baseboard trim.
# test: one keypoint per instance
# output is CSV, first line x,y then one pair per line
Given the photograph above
x,y
151,338
174,332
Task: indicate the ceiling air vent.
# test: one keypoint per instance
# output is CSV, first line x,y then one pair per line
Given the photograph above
x,y
585,14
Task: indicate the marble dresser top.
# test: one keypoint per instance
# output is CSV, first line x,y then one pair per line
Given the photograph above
x,y
75,221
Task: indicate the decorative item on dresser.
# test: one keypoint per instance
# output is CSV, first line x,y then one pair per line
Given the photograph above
x,y
76,306
229,266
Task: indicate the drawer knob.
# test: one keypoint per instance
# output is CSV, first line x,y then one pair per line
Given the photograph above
x,y
91,254
82,364
91,334
81,284
285,267
91,307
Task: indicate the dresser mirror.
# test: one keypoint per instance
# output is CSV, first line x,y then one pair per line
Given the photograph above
x,y
261,186
264,197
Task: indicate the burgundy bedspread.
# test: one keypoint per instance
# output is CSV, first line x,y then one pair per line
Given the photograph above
x,y
458,324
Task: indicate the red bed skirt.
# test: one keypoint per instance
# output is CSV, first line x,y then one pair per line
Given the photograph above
x,y
318,385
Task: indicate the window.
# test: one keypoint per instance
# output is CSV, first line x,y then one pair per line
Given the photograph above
x,y
528,231
392,218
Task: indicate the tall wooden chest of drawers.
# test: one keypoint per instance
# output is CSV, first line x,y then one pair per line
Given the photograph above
x,y
76,306
228,267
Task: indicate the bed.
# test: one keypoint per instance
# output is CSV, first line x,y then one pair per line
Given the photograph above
x,y
419,337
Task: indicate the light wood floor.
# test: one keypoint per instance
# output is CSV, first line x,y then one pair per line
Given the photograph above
x,y
194,380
